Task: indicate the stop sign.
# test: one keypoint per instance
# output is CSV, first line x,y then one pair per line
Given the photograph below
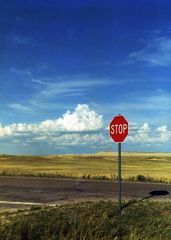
x,y
118,129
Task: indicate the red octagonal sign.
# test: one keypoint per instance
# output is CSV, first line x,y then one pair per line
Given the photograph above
x,y
118,129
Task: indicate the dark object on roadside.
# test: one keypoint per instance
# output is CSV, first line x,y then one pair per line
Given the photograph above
x,y
151,194
159,193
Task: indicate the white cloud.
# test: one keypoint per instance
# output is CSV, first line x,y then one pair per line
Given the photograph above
x,y
146,135
82,119
156,53
163,133
144,128
141,135
81,127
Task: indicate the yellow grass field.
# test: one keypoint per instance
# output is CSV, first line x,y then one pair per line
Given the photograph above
x,y
155,165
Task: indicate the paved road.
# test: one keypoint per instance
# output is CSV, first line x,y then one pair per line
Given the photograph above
x,y
51,190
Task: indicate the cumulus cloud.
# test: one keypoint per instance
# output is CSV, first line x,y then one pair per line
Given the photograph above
x,y
163,133
144,134
80,127
82,119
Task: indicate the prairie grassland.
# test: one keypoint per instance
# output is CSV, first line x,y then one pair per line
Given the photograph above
x,y
90,221
154,165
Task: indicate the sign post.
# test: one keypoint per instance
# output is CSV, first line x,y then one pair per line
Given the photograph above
x,y
118,132
119,176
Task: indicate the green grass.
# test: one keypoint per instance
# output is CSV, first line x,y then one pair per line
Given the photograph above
x,y
89,221
152,166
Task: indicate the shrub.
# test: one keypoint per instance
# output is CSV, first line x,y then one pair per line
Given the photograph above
x,y
87,221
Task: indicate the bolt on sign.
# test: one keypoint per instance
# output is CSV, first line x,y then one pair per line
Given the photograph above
x,y
118,132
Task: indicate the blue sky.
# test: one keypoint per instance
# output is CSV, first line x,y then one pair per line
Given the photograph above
x,y
68,67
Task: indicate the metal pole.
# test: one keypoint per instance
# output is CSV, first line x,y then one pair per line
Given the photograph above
x,y
119,176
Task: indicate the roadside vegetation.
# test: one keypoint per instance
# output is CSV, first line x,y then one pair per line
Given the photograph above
x,y
143,167
89,221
